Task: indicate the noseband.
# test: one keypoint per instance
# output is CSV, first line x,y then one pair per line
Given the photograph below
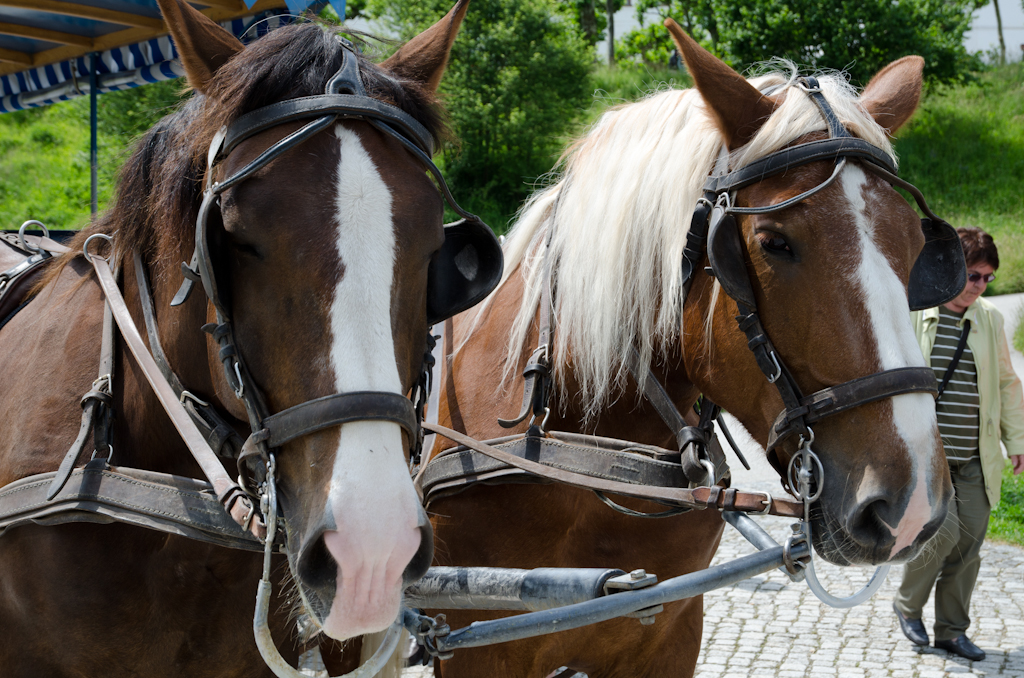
x,y
937,277
345,98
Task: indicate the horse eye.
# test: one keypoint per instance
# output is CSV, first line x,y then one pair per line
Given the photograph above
x,y
248,250
773,242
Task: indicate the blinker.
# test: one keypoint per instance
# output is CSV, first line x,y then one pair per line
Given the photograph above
x,y
464,271
725,253
940,273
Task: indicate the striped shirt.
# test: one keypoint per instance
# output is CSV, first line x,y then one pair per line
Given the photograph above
x,y
959,405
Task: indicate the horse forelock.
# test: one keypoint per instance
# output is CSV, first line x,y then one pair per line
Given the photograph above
x,y
617,220
159,186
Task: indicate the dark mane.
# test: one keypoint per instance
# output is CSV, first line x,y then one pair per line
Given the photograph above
x,y
160,185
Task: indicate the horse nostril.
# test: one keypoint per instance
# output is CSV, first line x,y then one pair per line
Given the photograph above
x,y
317,568
424,556
868,525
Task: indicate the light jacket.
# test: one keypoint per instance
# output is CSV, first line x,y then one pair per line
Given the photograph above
x,y
1001,416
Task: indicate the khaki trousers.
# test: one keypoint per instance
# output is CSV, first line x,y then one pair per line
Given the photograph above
x,y
951,560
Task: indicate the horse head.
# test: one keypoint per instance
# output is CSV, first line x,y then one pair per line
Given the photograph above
x,y
829,276
320,257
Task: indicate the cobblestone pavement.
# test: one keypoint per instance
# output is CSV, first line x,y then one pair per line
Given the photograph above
x,y
770,626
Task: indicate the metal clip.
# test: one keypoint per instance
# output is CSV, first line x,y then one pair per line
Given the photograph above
x,y
637,579
778,368
544,421
193,397
240,390
794,567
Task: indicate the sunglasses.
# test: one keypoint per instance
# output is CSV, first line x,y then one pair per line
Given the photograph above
x,y
975,277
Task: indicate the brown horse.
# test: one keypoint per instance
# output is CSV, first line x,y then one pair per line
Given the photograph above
x,y
323,255
830,277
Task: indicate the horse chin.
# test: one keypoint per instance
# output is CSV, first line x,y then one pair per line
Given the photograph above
x,y
340,613
345,621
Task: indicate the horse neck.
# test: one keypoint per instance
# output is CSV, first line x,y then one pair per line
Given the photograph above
x,y
473,395
719,361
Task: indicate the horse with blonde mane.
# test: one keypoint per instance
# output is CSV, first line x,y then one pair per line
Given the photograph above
x,y
830,275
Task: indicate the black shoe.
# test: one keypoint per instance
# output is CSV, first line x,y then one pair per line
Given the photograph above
x,y
962,646
913,629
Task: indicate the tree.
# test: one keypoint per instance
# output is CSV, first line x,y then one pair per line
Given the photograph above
x,y
518,76
859,36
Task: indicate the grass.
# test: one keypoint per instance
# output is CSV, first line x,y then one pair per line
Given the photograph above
x,y
964,148
44,153
1018,334
1007,521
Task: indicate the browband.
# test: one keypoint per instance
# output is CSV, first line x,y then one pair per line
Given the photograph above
x,y
338,105
795,156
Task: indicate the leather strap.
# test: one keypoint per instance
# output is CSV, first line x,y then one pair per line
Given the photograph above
x,y
851,394
337,409
796,156
960,346
657,396
537,373
335,105
219,434
228,492
99,493
700,498
95,403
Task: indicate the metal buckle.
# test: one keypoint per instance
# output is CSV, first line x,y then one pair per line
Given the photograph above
x,y
778,368
766,502
802,84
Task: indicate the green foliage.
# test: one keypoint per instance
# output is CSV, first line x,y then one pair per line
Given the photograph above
x,y
650,45
1007,521
1018,334
964,148
44,153
624,83
858,36
516,80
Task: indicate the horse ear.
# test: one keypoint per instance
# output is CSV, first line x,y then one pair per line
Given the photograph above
x,y
893,94
203,46
423,59
737,106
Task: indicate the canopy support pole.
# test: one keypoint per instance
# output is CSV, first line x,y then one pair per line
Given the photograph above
x,y
93,154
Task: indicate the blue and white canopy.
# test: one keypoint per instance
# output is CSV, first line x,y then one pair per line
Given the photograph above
x,y
47,46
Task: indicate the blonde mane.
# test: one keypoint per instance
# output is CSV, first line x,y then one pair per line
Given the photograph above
x,y
613,227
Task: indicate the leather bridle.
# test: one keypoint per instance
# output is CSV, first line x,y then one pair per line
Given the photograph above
x,y
345,98
714,229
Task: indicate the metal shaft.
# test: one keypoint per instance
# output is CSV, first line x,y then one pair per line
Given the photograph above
x,y
498,588
617,605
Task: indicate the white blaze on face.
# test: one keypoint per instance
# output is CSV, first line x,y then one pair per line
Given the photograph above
x,y
372,501
913,413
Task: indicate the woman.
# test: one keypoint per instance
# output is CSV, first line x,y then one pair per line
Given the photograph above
x,y
980,402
